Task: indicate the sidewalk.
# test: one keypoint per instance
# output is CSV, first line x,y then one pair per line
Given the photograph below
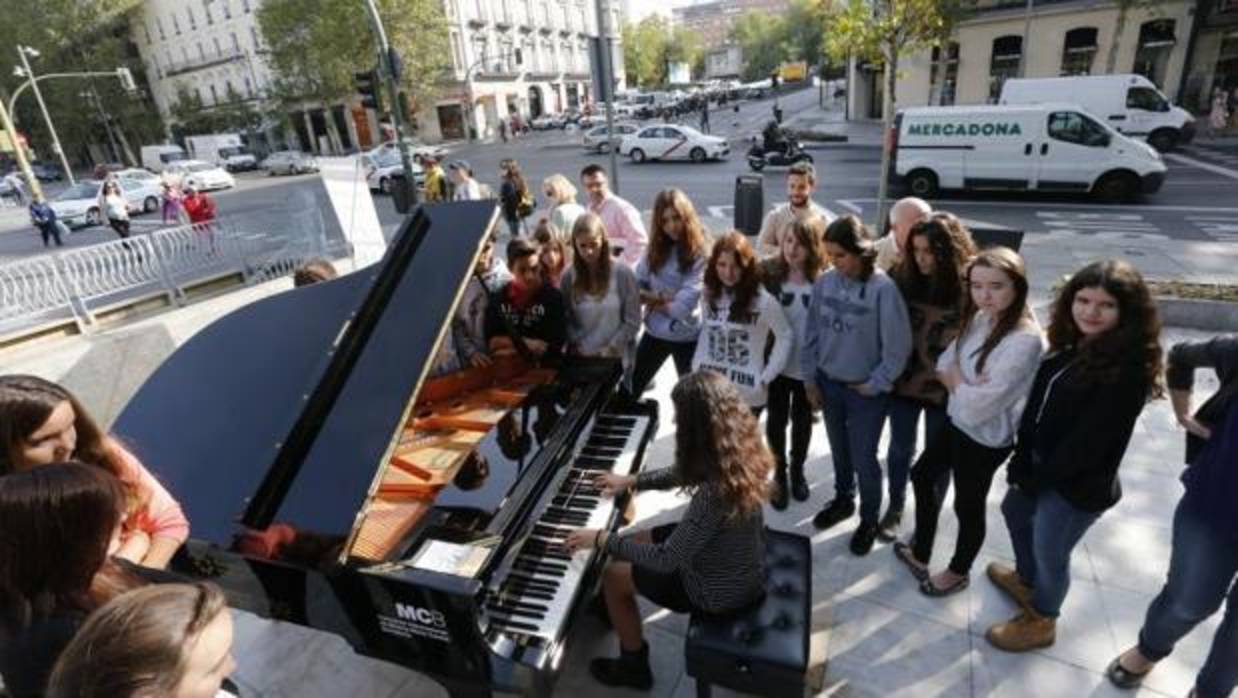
x,y
879,635
829,123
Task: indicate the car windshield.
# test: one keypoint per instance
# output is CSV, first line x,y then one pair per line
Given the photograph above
x,y
229,152
171,157
81,190
138,175
387,159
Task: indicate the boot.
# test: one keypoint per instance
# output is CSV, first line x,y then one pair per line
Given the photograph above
x,y
1009,581
630,669
1027,631
799,485
778,497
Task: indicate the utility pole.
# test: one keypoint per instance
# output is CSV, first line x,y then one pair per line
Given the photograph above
x,y
1027,33
606,70
388,66
23,52
23,164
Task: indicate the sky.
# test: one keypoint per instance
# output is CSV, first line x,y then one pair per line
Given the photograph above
x,y
639,9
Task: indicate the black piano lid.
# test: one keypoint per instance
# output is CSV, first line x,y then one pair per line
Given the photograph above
x,y
284,409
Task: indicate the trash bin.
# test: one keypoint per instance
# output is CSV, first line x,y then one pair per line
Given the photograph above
x,y
749,203
403,193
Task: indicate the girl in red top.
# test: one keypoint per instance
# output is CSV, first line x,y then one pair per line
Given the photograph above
x,y
198,206
42,423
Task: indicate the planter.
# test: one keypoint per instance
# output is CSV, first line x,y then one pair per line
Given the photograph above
x,y
1197,314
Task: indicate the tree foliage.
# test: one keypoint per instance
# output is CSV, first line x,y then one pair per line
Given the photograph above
x,y
768,40
234,113
317,45
651,44
74,36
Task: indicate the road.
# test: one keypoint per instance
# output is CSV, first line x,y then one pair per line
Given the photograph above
x,y
1198,200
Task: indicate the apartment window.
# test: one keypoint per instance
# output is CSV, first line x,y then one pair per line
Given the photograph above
x,y
176,25
201,52
206,7
1156,42
185,53
159,24
214,95
249,87
229,91
146,31
236,44
944,74
245,6
546,12
457,52
193,22
253,34
1003,63
1078,51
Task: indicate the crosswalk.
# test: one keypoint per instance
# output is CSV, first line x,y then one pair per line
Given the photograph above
x,y
1222,228
1111,226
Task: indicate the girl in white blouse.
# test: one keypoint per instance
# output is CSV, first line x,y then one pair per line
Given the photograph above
x,y
988,371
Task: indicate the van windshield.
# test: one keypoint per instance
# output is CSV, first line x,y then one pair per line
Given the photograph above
x,y
171,157
1147,99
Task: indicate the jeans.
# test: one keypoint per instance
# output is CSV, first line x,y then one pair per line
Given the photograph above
x,y
973,465
1044,530
1202,569
853,424
514,225
904,417
651,353
788,399
51,231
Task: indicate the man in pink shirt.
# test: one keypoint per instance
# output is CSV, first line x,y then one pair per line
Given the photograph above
x,y
624,227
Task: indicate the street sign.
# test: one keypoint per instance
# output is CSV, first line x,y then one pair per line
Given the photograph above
x,y
600,66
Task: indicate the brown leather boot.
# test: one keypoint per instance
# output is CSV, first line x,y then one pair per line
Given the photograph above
x,y
1009,581
1027,631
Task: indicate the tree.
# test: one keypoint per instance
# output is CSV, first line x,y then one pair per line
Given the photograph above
x,y
651,44
76,36
762,37
315,47
880,31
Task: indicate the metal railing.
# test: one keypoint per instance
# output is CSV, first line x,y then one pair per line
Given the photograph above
x,y
74,285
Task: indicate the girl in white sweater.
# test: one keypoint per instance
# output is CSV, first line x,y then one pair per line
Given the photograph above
x,y
988,371
738,317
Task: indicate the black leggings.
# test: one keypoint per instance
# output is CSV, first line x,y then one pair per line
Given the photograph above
x,y
788,399
973,465
651,353
50,232
121,226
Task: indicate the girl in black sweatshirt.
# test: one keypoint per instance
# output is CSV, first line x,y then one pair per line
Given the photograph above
x,y
1104,363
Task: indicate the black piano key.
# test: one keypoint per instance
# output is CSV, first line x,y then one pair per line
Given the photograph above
x,y
518,588
587,463
598,441
519,592
516,603
576,502
501,608
535,566
549,531
532,581
505,622
611,420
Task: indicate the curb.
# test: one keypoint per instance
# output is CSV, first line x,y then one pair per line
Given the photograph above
x,y
1215,316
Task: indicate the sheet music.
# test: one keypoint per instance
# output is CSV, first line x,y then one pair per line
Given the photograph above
x,y
460,560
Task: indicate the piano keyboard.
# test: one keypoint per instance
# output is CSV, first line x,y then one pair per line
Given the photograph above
x,y
536,595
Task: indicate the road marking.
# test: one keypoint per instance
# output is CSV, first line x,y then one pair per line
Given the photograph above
x,y
847,204
947,204
1110,226
1223,171
1219,228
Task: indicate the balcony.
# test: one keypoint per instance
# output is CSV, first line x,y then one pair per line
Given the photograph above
x,y
209,61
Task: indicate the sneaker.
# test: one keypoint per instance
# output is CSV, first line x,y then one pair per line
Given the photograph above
x,y
863,538
629,669
778,494
887,528
837,510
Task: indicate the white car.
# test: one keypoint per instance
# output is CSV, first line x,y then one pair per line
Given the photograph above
x,y
673,142
595,139
381,169
143,190
291,162
417,150
78,205
200,175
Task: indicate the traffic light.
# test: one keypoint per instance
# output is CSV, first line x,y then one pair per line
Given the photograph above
x,y
367,87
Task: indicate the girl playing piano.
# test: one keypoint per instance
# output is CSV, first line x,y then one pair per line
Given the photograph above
x,y
712,561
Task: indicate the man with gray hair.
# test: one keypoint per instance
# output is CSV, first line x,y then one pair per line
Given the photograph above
x,y
904,214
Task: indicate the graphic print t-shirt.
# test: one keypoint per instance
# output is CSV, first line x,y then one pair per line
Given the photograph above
x,y
735,346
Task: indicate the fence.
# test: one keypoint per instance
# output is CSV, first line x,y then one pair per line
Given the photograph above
x,y
71,288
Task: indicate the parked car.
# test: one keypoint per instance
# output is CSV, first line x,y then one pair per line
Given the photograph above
x,y
200,175
289,162
673,142
142,190
78,205
382,169
46,172
548,122
418,150
595,139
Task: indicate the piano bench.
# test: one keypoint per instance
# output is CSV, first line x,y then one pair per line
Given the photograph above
x,y
762,650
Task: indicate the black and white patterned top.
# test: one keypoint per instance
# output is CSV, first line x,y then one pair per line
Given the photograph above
x,y
719,558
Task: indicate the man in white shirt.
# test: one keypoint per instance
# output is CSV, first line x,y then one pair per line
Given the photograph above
x,y
624,228
466,188
801,182
904,214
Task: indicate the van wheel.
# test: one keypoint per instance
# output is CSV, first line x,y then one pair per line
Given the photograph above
x,y
922,183
1116,188
1163,140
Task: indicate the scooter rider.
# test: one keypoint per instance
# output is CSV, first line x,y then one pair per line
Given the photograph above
x,y
774,139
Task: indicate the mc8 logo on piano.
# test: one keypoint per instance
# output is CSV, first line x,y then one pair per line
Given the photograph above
x,y
424,616
414,621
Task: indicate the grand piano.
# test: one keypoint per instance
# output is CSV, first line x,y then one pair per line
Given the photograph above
x,y
331,482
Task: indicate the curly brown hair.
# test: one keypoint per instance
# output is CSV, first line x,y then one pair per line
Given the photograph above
x,y
952,246
749,285
810,232
718,443
1133,344
691,244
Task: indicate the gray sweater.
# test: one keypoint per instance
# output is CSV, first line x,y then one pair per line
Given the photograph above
x,y
719,558
856,331
605,326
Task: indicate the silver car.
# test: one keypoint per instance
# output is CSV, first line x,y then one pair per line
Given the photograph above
x,y
595,140
291,162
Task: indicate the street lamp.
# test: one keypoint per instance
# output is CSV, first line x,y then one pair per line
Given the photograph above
x,y
25,71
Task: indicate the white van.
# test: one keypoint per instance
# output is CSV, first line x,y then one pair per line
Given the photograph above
x,y
157,157
1129,103
1035,147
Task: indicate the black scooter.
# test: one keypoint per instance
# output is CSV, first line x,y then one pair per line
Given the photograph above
x,y
759,157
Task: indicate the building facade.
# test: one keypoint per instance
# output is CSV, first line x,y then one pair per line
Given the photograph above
x,y
1064,37
1212,62
526,57
714,20
724,62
